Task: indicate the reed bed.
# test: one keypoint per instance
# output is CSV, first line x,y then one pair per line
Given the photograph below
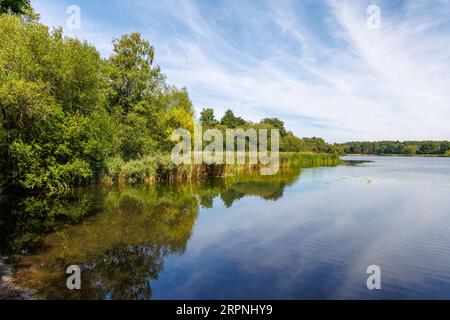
x,y
161,169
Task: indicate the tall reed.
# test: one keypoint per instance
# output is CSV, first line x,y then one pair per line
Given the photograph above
x,y
160,168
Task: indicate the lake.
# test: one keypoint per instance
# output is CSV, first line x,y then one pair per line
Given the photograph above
x,y
303,234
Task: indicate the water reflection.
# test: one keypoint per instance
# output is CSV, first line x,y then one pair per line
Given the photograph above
x,y
120,237
283,237
24,220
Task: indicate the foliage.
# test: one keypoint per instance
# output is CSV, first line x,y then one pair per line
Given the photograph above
x,y
275,123
14,6
68,116
207,118
397,147
231,121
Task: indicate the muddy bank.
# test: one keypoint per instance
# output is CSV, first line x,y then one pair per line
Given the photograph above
x,y
8,289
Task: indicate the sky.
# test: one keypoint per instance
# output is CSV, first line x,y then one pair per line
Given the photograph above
x,y
341,70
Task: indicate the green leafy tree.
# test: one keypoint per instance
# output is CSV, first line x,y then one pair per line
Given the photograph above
x,y
429,147
317,145
46,103
15,6
231,121
410,149
445,147
207,118
275,123
291,143
131,73
146,108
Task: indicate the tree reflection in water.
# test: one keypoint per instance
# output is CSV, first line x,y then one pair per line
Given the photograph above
x,y
120,237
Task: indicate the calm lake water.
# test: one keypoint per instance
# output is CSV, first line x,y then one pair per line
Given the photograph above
x,y
308,234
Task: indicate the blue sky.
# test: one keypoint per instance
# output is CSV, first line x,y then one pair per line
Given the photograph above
x,y
314,64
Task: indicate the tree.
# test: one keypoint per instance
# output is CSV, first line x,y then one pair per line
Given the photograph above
x,y
21,8
139,97
429,147
179,115
76,74
276,123
318,145
131,73
445,147
410,149
146,108
46,103
15,6
291,143
231,121
207,118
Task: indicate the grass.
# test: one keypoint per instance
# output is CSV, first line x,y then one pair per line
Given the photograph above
x,y
160,168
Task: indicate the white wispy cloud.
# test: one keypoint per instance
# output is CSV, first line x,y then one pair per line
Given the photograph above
x,y
314,64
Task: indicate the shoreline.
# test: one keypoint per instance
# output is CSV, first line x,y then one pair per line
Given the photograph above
x,y
161,170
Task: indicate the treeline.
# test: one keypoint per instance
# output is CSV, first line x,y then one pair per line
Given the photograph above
x,y
288,141
69,116
441,148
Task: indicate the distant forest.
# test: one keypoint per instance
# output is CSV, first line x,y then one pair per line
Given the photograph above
x,y
397,148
